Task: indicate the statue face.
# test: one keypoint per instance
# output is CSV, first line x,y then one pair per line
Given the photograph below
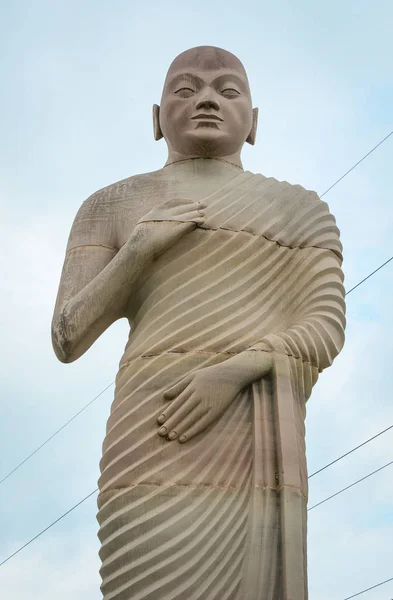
x,y
206,105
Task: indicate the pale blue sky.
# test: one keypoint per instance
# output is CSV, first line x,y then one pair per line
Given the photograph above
x,y
78,82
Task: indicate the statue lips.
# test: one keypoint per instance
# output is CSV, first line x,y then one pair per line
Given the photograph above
x,y
203,117
206,120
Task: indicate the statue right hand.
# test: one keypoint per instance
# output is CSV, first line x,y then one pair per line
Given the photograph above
x,y
168,222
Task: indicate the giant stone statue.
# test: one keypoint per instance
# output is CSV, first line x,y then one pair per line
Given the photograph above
x,y
233,289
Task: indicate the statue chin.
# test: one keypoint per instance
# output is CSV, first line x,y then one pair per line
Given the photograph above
x,y
208,142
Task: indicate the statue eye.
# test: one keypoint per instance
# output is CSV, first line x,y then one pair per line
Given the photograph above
x,y
230,92
184,92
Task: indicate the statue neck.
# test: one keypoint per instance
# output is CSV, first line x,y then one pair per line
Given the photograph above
x,y
177,157
207,168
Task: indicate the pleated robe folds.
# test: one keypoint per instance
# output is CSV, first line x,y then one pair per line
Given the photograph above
x,y
223,517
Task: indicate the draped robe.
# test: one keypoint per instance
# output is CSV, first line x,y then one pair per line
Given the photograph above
x,y
223,516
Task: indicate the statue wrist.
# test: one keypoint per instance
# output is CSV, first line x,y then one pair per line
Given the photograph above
x,y
248,366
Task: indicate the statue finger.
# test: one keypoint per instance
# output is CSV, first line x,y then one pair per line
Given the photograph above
x,y
189,419
191,215
196,220
195,427
175,423
177,388
174,406
195,206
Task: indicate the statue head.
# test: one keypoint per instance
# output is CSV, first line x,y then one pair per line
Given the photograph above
x,y
206,108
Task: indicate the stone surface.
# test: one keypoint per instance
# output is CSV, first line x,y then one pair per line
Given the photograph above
x,y
232,286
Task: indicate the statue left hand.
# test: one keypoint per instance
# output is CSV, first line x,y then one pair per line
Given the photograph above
x,y
197,401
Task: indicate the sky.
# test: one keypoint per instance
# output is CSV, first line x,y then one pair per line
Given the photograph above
x,y
78,83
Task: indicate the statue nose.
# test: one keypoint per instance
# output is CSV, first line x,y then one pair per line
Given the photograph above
x,y
208,103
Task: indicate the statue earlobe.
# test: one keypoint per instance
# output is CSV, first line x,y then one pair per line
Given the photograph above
x,y
156,123
253,133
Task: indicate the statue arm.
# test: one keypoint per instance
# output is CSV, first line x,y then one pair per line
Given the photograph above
x,y
314,336
315,332
95,283
98,279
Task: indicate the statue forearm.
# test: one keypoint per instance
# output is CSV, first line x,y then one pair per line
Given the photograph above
x,y
247,366
83,318
316,341
315,329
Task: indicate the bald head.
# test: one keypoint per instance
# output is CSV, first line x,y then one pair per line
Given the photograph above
x,y
207,58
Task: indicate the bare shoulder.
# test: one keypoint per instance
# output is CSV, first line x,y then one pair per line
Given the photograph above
x,y
112,197
109,213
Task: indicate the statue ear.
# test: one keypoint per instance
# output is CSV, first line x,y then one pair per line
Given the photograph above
x,y
156,123
253,133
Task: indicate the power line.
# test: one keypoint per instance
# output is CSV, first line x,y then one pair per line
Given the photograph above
x,y
368,589
91,401
96,490
350,486
55,433
46,528
370,275
350,451
358,163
